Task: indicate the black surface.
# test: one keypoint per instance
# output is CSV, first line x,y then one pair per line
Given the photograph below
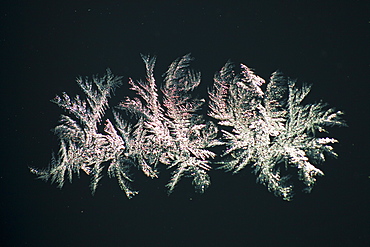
x,y
45,45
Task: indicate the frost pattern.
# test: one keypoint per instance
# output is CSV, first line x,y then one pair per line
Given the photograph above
x,y
270,130
170,131
82,147
174,134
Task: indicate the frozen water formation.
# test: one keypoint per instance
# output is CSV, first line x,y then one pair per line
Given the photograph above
x,y
266,127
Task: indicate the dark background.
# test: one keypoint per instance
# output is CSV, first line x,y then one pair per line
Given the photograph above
x,y
45,45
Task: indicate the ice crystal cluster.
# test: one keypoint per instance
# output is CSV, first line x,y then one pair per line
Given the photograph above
x,y
269,129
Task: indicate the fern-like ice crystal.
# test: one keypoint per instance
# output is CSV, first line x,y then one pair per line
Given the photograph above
x,y
272,130
269,129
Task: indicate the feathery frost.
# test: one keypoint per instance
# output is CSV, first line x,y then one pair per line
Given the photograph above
x,y
270,130
175,135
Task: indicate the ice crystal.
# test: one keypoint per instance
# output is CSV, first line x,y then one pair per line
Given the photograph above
x,y
82,147
272,131
175,135
168,131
